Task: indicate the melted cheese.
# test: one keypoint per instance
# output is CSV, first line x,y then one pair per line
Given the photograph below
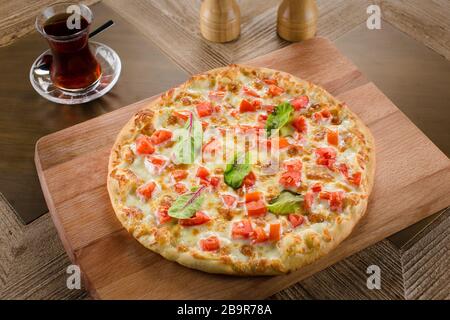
x,y
267,178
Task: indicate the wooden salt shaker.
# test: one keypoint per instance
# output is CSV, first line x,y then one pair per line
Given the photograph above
x,y
297,19
220,20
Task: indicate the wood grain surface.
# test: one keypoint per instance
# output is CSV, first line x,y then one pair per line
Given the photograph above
x,y
425,21
96,241
184,44
17,17
25,116
32,258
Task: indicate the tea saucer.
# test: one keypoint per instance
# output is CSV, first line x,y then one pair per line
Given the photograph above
x,y
111,67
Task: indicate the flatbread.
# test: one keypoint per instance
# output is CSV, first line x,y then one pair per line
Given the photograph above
x,y
242,215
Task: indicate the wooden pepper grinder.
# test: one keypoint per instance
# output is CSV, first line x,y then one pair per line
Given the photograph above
x,y
297,19
220,20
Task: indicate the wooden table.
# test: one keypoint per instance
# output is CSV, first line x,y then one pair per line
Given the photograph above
x,y
32,261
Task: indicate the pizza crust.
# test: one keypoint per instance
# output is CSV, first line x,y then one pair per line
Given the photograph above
x,y
211,264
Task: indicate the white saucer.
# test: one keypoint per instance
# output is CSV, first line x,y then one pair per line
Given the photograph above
x,y
111,67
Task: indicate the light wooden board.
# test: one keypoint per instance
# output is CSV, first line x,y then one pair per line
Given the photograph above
x,y
412,182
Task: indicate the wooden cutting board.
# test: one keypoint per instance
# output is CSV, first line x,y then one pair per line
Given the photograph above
x,y
412,182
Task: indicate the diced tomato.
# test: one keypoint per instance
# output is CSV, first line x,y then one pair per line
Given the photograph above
x,y
246,106
274,232
229,200
202,173
336,201
160,136
234,113
293,165
326,157
256,104
333,137
309,199
259,235
216,95
163,215
204,109
280,143
256,208
325,113
157,161
253,196
356,178
283,143
182,115
223,131
249,180
317,187
290,179
317,116
262,117
269,109
343,169
300,124
241,229
300,102
275,90
145,191
250,92
325,195
270,81
204,182
210,244
144,145
204,125
198,219
180,188
214,181
179,174
296,220
326,162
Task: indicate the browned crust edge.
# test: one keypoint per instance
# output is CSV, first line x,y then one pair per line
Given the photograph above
x,y
340,233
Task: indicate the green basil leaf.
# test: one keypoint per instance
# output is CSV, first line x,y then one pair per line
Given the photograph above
x,y
189,143
279,117
187,205
236,172
286,203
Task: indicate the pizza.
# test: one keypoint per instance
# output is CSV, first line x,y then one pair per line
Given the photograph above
x,y
243,171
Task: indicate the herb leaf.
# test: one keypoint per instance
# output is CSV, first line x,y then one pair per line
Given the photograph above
x,y
236,172
279,117
187,205
189,144
286,203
